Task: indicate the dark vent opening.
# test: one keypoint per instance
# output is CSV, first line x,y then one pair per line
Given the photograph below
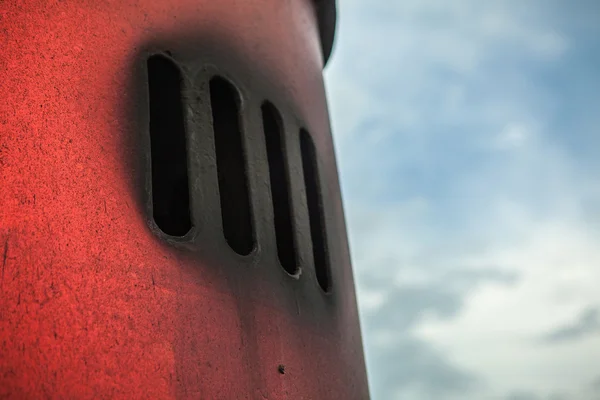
x,y
170,190
315,210
280,188
231,166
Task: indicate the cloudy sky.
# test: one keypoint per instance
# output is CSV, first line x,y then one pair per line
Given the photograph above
x,y
468,141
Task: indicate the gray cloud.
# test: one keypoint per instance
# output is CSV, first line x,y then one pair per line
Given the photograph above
x,y
587,323
522,395
528,395
442,294
596,385
403,362
412,364
423,95
558,396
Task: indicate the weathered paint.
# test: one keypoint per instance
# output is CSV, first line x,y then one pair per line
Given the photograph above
x,y
94,301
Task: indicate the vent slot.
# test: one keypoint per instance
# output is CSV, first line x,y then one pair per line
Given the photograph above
x,y
231,166
280,187
315,210
170,190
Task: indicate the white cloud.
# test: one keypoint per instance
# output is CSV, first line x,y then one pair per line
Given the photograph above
x,y
498,331
473,229
513,135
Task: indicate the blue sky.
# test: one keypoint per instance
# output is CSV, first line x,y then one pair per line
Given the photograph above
x,y
467,135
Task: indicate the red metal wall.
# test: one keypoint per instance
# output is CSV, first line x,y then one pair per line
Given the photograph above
x,y
93,302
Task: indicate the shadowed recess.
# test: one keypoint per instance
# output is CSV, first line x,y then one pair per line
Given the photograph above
x,y
315,210
170,190
231,166
280,188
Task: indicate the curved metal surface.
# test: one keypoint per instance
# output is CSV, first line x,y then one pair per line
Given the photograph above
x,y
95,302
327,17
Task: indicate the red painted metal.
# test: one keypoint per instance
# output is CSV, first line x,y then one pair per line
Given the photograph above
x,y
94,302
